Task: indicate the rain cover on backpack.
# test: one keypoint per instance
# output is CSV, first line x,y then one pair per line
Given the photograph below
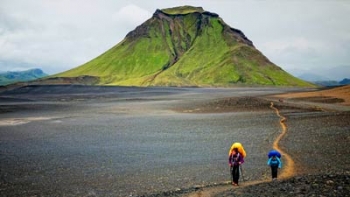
x,y
239,147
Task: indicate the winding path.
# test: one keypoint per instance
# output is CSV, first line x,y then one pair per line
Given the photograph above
x,y
288,169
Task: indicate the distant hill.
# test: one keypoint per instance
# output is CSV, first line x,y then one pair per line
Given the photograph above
x,y
21,76
332,83
326,83
184,46
336,73
322,80
345,81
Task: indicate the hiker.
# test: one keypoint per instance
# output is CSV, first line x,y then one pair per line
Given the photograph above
x,y
274,162
235,160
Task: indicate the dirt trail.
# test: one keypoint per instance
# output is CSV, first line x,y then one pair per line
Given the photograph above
x,y
288,169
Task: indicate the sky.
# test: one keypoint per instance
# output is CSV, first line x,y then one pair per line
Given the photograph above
x,y
300,36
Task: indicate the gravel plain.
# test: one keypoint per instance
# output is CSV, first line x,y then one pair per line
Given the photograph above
x,y
105,141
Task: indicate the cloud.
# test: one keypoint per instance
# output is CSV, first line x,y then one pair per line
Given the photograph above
x,y
298,43
131,16
60,35
293,50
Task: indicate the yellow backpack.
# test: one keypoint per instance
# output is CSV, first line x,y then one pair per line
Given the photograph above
x,y
239,147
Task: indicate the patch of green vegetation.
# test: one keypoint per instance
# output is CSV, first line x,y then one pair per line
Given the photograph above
x,y
128,60
182,10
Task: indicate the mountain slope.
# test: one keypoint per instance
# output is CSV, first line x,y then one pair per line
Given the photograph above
x,y
184,46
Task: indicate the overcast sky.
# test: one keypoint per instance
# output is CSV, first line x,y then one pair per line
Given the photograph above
x,y
57,35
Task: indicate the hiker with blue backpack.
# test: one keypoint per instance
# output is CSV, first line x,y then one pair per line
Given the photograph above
x,y
274,162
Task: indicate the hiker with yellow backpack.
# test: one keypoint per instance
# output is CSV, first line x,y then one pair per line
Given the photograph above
x,y
236,159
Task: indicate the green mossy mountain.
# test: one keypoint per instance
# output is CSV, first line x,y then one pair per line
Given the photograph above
x,y
184,46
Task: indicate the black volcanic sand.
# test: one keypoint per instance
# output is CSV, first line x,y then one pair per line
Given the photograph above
x,y
98,141
317,139
318,142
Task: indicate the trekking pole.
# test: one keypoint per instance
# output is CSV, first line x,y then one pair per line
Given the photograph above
x,y
231,175
241,170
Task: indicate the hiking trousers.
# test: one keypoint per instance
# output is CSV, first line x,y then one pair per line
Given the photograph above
x,y
274,170
235,173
